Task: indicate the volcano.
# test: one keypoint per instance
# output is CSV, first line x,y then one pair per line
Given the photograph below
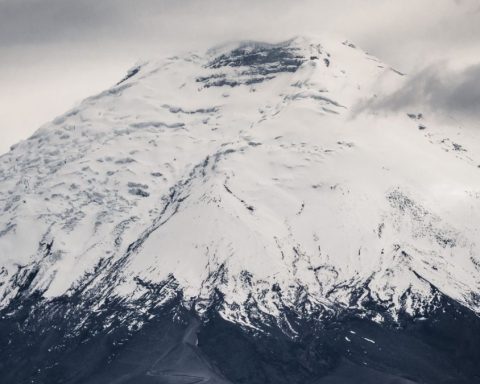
x,y
243,215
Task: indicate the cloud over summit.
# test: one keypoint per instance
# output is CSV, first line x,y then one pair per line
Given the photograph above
x,y
438,88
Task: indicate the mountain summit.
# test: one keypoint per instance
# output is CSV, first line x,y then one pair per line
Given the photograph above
x,y
238,217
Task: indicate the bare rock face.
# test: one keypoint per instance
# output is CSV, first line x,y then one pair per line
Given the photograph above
x,y
242,216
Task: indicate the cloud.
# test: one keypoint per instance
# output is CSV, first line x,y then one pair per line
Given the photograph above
x,y
437,88
39,22
387,28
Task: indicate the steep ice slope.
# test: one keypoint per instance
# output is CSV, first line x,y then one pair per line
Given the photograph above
x,y
246,175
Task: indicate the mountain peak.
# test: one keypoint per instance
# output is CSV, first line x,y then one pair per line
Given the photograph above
x,y
239,184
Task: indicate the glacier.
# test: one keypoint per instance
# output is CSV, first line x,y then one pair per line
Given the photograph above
x,y
244,191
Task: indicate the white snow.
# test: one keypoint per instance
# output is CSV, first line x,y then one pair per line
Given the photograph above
x,y
283,180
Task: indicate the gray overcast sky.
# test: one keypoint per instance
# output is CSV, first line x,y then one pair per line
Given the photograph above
x,y
53,53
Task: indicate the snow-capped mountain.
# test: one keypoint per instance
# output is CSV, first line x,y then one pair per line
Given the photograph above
x,y
240,197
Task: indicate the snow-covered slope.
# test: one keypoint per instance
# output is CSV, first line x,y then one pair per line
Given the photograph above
x,y
247,174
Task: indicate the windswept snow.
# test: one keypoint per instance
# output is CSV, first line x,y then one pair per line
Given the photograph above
x,y
247,172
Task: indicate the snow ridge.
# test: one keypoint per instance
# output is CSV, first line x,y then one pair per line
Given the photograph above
x,y
242,180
